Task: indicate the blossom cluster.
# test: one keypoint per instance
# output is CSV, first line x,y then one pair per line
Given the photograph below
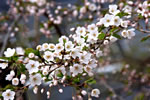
x,y
143,9
56,12
69,62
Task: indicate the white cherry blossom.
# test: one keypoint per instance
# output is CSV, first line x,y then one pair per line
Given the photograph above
x,y
92,7
113,39
4,64
113,9
51,46
48,56
124,24
32,66
59,47
15,81
92,27
116,20
35,79
107,20
20,51
76,69
62,39
95,93
81,31
8,95
9,52
10,76
45,46
69,46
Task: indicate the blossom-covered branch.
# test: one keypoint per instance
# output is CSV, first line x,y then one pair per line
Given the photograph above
x,y
70,62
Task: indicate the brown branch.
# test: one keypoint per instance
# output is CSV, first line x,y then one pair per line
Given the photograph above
x,y
111,89
57,30
5,41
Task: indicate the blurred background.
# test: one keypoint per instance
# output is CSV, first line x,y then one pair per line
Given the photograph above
x,y
123,74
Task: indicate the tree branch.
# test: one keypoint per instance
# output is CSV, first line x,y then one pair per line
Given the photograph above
x,y
5,41
111,89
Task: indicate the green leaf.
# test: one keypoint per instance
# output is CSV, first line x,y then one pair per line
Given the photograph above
x,y
113,29
30,50
64,40
60,75
85,48
140,16
6,58
90,81
15,58
22,68
104,11
101,36
68,77
8,87
101,28
116,35
86,38
145,38
1,96
76,80
121,14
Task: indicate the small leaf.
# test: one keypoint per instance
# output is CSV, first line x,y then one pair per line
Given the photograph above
x,y
76,80
101,36
85,48
6,58
113,29
90,81
15,58
60,75
22,68
145,38
121,14
8,87
86,38
116,35
101,28
30,50
140,16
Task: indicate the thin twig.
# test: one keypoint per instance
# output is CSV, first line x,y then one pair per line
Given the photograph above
x,y
5,41
111,89
144,31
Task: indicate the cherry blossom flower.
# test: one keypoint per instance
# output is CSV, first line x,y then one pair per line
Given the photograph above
x,y
20,51
76,69
32,66
15,81
95,93
81,31
107,20
59,47
9,52
51,46
10,76
69,46
4,64
116,21
48,56
8,95
35,79
92,7
113,9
